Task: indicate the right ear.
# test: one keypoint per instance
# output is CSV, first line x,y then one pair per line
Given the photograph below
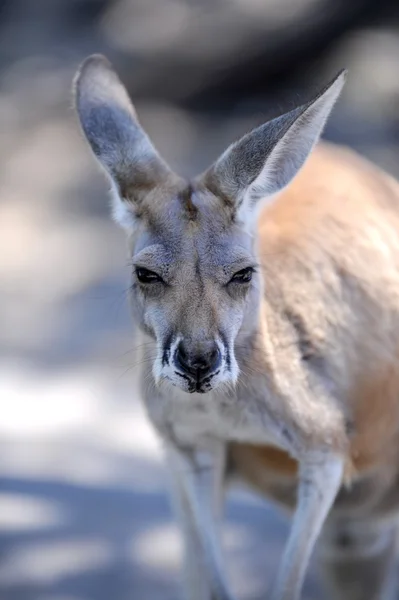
x,y
110,124
252,171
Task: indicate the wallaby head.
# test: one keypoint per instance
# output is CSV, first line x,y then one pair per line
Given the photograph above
x,y
196,288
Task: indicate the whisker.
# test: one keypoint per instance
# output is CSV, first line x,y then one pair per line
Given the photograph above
x,y
139,363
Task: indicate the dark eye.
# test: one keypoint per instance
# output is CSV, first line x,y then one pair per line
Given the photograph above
x,y
243,276
147,276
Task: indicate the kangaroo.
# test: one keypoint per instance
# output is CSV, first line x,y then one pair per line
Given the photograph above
x,y
267,293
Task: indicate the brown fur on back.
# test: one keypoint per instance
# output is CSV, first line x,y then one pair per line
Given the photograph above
x,y
329,248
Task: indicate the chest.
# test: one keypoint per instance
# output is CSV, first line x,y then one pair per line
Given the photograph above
x,y
193,419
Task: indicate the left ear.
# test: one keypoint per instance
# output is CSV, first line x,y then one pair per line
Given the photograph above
x,y
265,160
122,148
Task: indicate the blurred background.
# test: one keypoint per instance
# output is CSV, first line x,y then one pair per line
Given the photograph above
x,y
84,512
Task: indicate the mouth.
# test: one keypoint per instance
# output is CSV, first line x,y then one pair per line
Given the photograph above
x,y
199,387
194,373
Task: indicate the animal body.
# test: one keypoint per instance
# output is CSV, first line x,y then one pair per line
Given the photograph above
x,y
267,293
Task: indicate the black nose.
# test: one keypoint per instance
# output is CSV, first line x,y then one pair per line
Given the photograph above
x,y
198,365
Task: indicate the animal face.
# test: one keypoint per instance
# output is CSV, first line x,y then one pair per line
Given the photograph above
x,y
195,285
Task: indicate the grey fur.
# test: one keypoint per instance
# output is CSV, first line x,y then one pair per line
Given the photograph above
x,y
279,148
196,239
